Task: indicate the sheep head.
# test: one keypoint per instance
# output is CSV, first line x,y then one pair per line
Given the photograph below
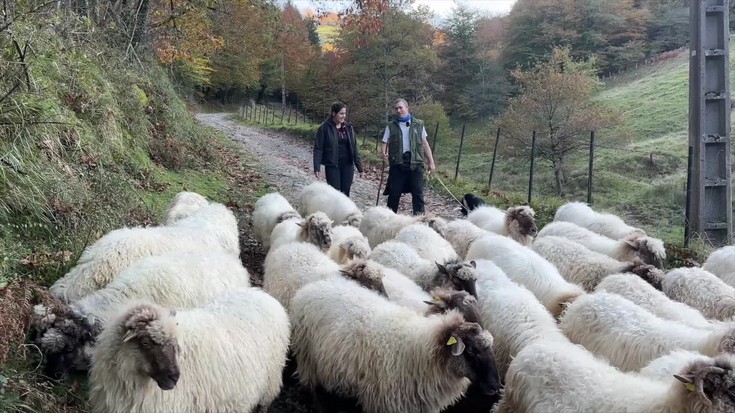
x,y
183,205
520,224
353,219
471,201
563,301
467,351
147,338
649,273
317,229
448,299
712,382
285,216
368,273
68,344
459,275
647,249
438,224
353,248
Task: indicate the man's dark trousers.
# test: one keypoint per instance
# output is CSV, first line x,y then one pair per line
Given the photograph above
x,y
402,176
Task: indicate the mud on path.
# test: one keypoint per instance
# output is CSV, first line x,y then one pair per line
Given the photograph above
x,y
286,162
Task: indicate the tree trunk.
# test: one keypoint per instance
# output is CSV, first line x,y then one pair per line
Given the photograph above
x,y
283,80
558,176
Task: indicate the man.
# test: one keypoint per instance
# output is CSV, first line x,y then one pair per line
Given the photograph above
x,y
405,147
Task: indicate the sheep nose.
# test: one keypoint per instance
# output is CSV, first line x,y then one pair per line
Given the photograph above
x,y
174,377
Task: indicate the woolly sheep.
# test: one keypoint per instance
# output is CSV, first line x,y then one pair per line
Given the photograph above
x,y
667,365
527,268
351,341
516,222
225,356
461,234
290,267
348,243
609,225
320,196
183,205
630,337
270,210
427,243
315,229
633,288
722,264
512,314
174,280
213,227
701,290
564,378
630,248
587,268
380,224
453,274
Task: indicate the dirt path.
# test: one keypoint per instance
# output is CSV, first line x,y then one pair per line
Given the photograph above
x,y
287,166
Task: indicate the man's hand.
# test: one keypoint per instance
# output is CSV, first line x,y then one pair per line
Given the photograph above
x,y
432,167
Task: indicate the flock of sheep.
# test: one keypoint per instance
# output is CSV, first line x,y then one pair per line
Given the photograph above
x,y
400,313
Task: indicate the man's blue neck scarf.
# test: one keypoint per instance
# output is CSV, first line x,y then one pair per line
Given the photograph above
x,y
406,119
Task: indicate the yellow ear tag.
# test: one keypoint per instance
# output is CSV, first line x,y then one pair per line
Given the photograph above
x,y
690,387
451,341
437,298
128,335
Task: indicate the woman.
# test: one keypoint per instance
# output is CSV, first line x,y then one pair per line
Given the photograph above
x,y
336,149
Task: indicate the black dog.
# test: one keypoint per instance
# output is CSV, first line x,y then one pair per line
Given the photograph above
x,y
470,202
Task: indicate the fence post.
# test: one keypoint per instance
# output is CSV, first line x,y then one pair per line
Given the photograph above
x,y
433,144
492,164
296,113
589,172
289,112
283,111
530,176
273,116
687,206
459,154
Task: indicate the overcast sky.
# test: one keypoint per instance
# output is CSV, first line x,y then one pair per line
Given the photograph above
x,y
442,7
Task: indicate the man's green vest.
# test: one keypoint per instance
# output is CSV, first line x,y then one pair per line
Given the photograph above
x,y
395,142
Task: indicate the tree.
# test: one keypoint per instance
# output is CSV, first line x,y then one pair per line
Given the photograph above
x,y
555,100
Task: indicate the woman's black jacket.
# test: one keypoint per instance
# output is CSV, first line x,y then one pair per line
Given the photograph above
x,y
326,146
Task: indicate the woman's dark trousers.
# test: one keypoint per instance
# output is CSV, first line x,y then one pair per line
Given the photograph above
x,y
340,177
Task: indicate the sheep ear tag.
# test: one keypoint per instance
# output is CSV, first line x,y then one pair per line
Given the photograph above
x,y
129,335
456,344
687,383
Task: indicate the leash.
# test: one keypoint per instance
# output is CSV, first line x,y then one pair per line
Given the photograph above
x,y
436,175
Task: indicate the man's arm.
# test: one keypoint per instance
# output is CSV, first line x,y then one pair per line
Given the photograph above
x,y
429,156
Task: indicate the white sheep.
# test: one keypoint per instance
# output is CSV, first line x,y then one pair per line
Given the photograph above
x,y
522,265
213,227
404,291
564,378
667,365
428,274
226,356
380,224
633,288
290,267
585,267
348,243
721,263
315,229
512,314
427,243
630,248
270,210
353,342
702,290
461,233
179,280
184,204
320,196
609,225
630,337
516,222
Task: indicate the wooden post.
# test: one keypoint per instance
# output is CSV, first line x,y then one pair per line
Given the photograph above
x,y
530,176
459,154
492,164
433,144
589,171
